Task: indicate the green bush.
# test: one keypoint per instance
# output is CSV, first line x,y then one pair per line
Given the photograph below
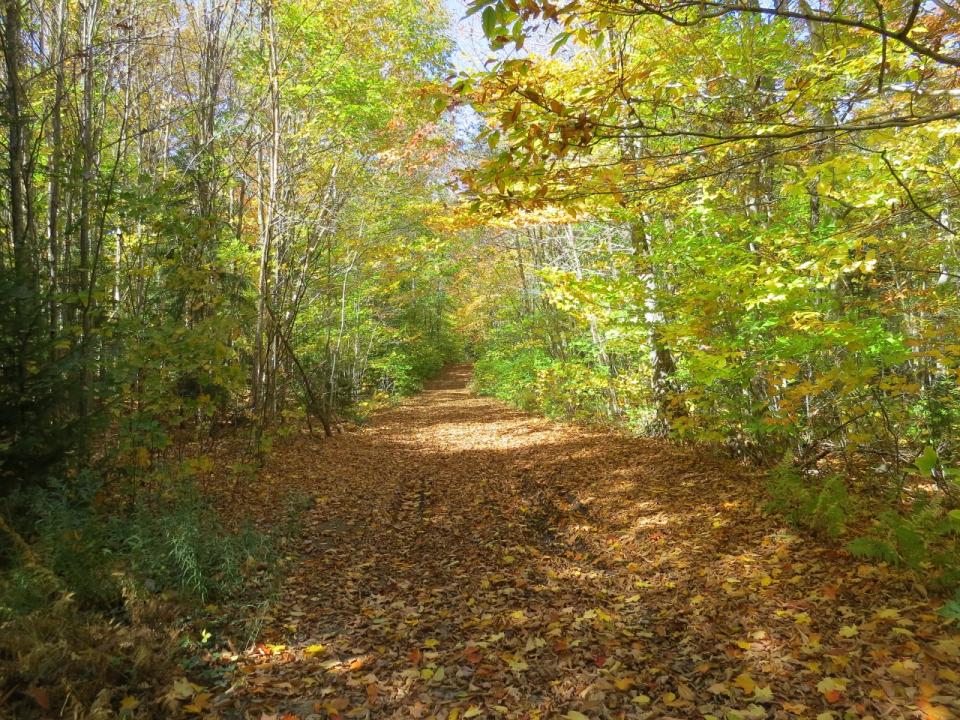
x,y
175,542
923,537
511,375
576,391
403,370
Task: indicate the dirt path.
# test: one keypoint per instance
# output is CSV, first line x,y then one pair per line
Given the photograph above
x,y
468,560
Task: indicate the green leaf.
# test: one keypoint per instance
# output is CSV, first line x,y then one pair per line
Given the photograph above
x,y
560,41
474,7
927,461
489,21
872,548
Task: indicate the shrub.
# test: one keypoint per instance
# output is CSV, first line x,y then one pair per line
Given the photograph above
x,y
511,376
574,390
175,542
403,370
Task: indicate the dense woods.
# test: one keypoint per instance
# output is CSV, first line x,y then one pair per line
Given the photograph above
x,y
213,221
229,229
187,233
735,223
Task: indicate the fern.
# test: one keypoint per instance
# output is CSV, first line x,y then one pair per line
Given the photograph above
x,y
872,548
821,506
951,608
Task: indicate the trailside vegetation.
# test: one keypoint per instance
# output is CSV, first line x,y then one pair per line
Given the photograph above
x,y
734,223
213,232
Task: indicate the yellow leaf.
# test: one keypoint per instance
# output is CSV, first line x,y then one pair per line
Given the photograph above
x,y
933,712
903,668
624,684
832,688
471,712
641,699
848,631
574,715
518,665
182,689
128,703
199,704
948,675
313,649
832,683
763,694
745,683
950,647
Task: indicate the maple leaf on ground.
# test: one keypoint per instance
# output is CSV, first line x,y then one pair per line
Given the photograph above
x,y
832,688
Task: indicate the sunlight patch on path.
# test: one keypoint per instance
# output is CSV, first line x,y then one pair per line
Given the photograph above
x,y
487,563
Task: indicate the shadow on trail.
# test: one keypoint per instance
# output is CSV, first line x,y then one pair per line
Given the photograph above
x,y
466,558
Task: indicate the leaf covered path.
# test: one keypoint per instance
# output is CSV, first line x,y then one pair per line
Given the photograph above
x,y
463,559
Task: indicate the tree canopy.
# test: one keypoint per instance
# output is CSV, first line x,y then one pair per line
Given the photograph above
x,y
225,223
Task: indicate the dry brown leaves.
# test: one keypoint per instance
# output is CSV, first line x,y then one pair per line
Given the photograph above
x,y
466,560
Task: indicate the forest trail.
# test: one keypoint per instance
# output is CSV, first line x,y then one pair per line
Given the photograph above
x,y
463,559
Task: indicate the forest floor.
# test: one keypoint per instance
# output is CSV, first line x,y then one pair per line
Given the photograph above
x,y
464,559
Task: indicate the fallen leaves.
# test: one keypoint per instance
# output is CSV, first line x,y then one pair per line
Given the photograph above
x,y
471,561
832,688
848,631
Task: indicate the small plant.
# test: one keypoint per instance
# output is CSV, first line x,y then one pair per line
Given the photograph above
x,y
951,608
175,542
169,541
924,538
820,505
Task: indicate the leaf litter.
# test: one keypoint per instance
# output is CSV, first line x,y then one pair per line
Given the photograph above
x,y
462,559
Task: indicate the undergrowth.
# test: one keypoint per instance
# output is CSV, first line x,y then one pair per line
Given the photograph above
x,y
107,589
919,532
